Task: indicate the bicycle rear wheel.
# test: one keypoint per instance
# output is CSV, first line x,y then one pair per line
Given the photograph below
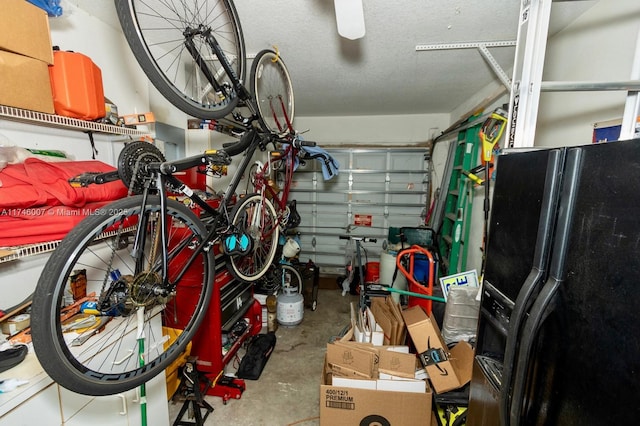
x,y
272,88
123,268
156,33
255,217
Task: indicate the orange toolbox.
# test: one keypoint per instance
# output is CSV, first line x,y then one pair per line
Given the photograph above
x,y
76,83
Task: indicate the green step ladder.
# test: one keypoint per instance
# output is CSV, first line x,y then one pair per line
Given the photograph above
x,y
458,204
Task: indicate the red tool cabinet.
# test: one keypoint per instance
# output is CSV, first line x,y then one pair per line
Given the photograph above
x,y
207,344
231,304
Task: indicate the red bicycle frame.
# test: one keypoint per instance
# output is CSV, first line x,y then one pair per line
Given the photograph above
x,y
282,161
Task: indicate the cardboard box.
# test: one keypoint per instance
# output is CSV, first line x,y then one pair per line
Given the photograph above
x,y
396,363
352,359
350,406
353,406
24,30
16,324
387,314
447,369
25,83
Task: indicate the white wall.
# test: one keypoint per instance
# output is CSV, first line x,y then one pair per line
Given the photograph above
x,y
598,46
123,81
372,130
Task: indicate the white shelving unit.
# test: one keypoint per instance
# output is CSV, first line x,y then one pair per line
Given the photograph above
x,y
51,120
41,398
8,254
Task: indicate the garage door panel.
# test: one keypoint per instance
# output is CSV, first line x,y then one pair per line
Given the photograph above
x,y
376,188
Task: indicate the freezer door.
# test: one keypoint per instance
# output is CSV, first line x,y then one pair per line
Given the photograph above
x,y
522,216
582,338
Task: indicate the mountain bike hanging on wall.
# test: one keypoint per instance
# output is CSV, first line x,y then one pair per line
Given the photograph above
x,y
149,260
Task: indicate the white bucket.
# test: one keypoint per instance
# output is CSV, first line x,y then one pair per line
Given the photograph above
x,y
387,269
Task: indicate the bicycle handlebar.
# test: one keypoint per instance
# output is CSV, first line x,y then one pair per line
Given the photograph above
x,y
299,143
216,156
363,239
220,156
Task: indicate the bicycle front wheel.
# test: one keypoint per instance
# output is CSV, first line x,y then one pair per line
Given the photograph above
x,y
192,80
255,217
271,86
114,257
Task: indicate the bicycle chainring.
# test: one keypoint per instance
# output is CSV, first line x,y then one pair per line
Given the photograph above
x,y
132,158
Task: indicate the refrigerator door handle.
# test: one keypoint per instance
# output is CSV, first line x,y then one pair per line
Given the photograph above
x,y
535,279
547,300
518,315
541,309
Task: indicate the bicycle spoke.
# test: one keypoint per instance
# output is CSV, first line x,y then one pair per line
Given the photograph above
x,y
273,91
256,217
193,79
102,358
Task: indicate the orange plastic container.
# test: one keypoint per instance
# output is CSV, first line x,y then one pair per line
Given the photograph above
x,y
76,83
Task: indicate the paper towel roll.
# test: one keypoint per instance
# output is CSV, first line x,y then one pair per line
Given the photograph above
x,y
387,269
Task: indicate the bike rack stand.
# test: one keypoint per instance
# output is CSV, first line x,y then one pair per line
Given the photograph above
x,y
190,391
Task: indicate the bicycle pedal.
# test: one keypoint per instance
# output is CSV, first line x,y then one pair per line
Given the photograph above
x,y
218,157
237,244
83,180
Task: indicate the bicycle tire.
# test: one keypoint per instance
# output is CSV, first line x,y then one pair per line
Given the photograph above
x,y
156,38
255,216
273,91
108,362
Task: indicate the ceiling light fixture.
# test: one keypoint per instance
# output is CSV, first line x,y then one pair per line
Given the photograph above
x,y
350,18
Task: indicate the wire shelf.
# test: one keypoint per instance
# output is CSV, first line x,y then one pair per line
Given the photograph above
x,y
52,120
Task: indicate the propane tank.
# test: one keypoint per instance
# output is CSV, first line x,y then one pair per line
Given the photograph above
x,y
290,307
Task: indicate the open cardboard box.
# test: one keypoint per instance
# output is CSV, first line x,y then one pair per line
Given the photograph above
x,y
447,369
362,401
380,324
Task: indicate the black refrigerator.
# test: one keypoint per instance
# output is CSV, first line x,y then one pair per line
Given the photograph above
x,y
559,329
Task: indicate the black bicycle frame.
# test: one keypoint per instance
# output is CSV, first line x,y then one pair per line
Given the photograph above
x,y
163,173
242,92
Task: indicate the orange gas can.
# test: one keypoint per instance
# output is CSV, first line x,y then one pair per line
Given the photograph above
x,y
76,83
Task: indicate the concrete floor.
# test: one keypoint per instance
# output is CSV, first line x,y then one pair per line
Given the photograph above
x,y
287,392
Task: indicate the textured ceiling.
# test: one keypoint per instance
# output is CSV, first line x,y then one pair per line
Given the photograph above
x,y
381,73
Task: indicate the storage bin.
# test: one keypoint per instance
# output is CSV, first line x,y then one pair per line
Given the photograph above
x,y
76,83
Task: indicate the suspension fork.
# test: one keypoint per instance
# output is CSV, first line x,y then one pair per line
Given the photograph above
x,y
163,230
161,239
189,33
138,243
